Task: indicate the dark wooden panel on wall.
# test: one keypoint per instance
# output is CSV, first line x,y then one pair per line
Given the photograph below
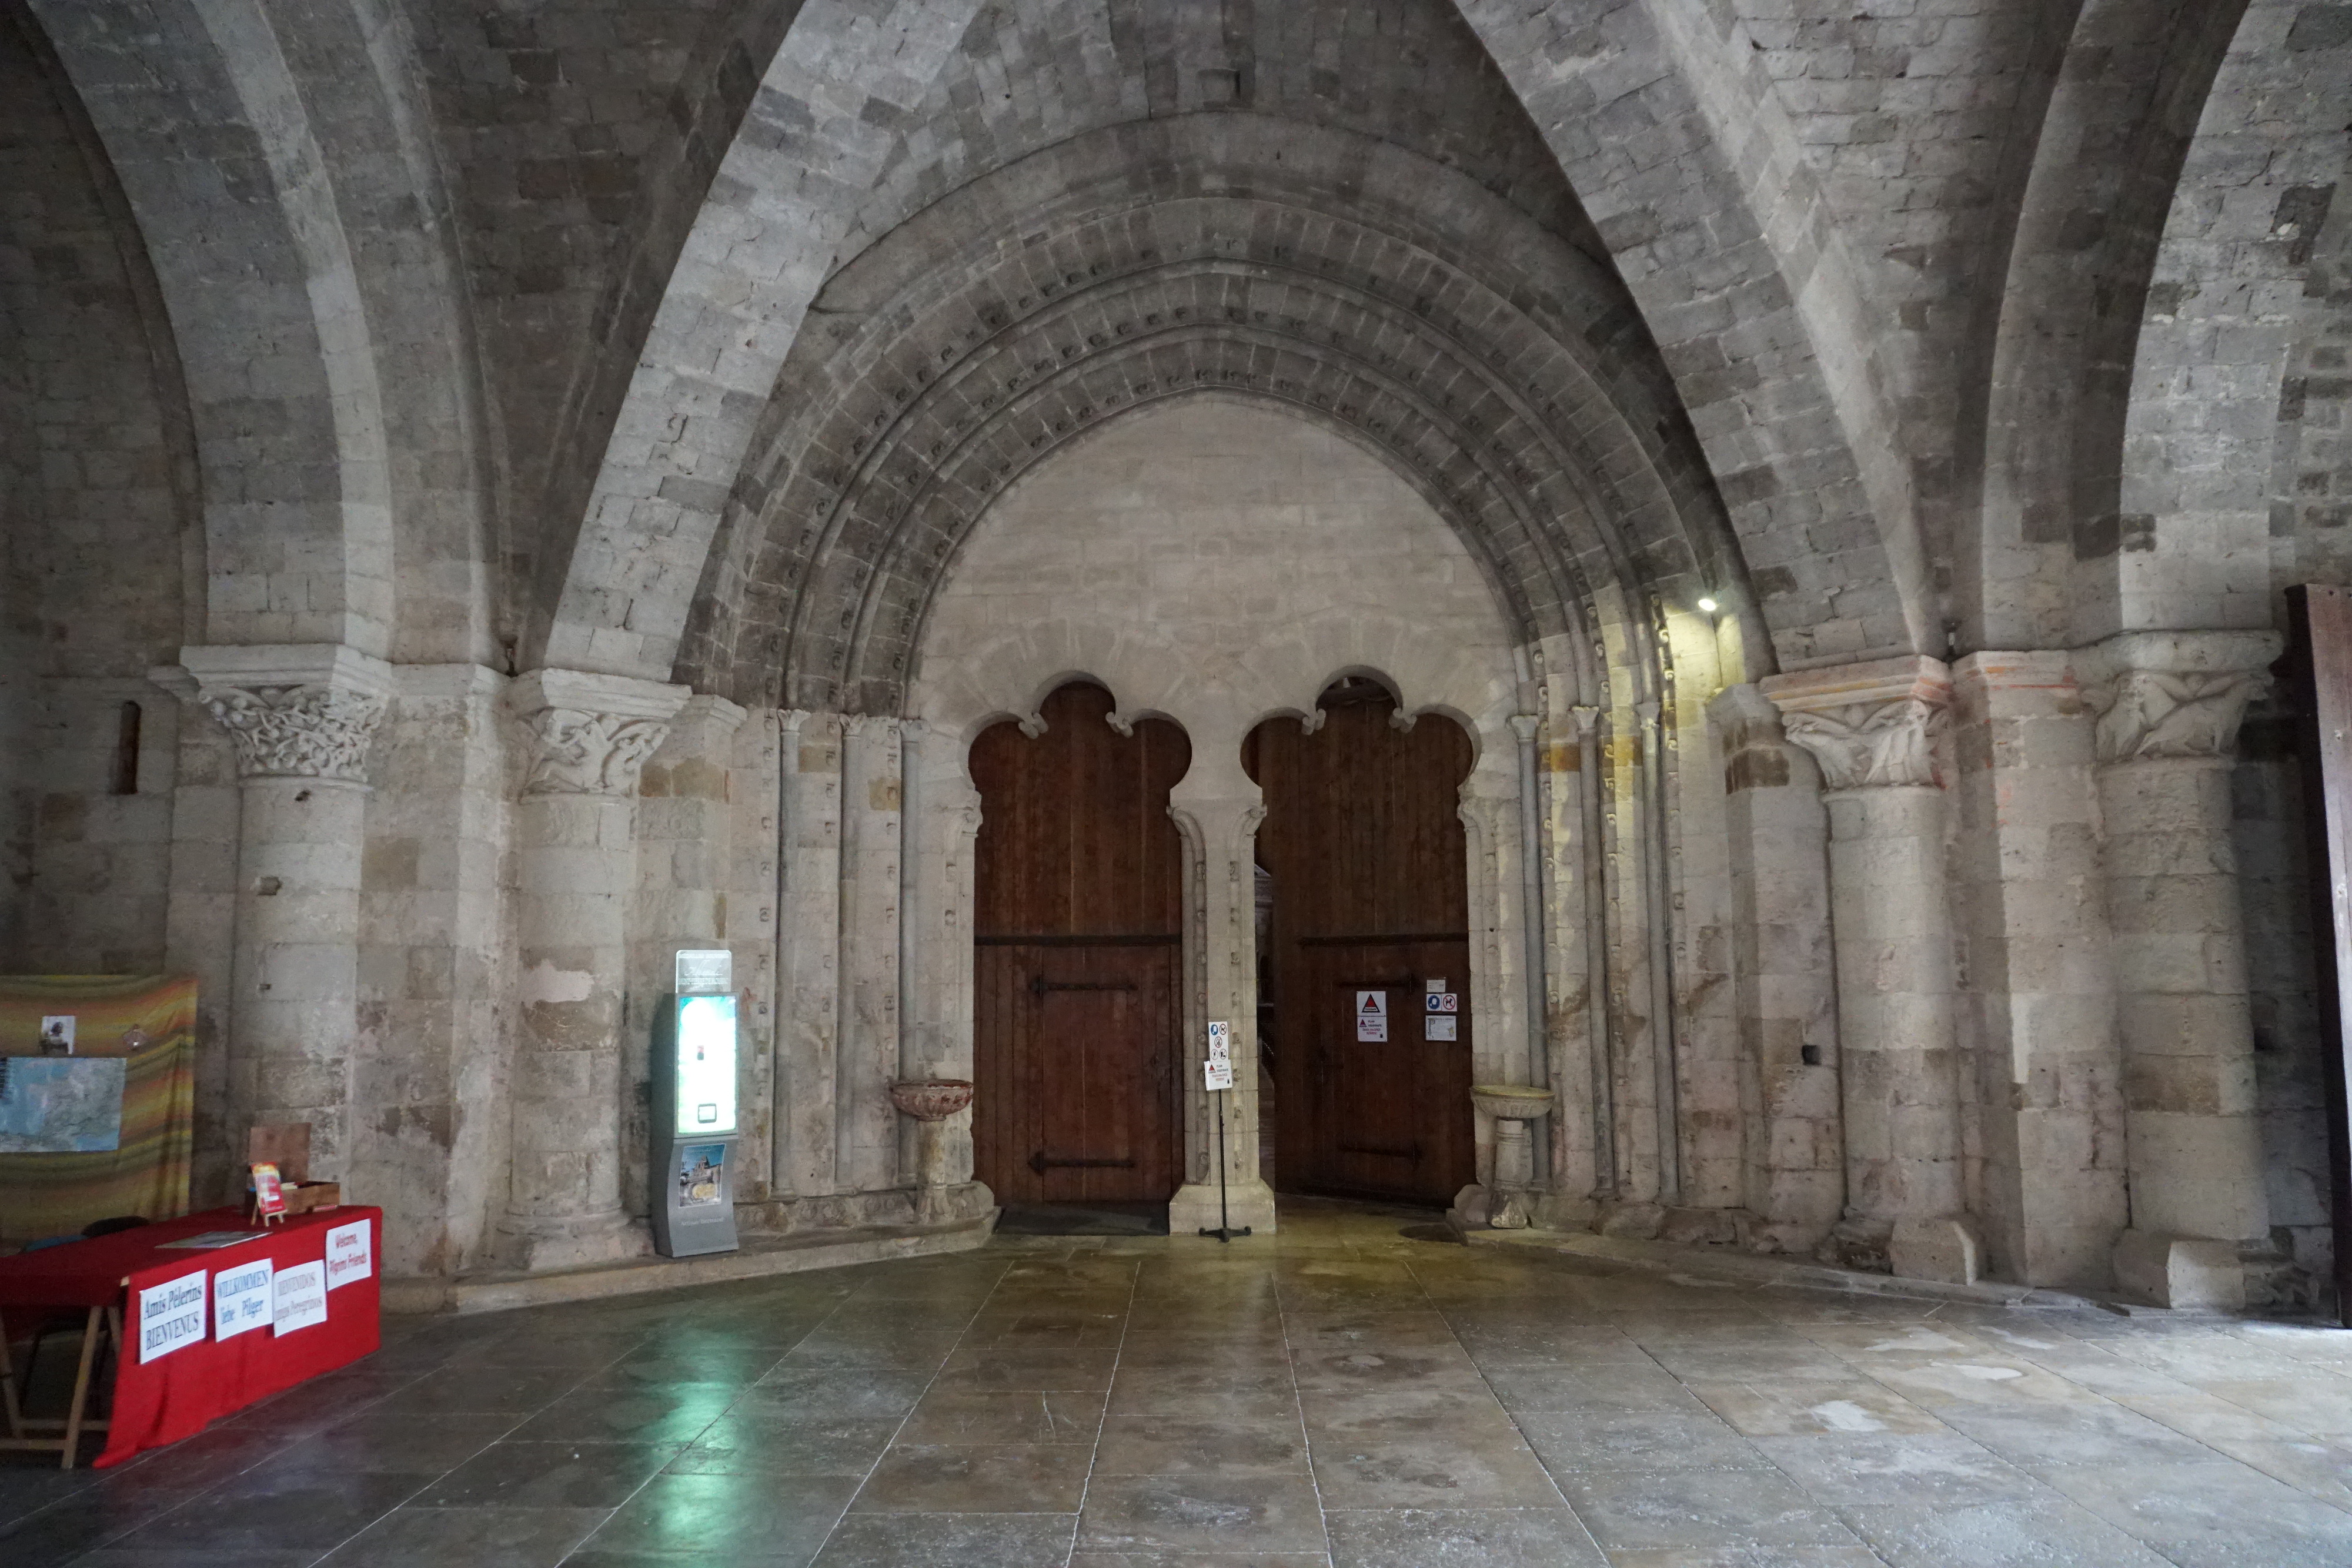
x,y
2320,679
1367,854
1079,889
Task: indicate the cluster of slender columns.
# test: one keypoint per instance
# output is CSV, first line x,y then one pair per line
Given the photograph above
x,y
2071,808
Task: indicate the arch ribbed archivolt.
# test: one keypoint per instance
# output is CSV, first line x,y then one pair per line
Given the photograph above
x,y
855,552
1509,402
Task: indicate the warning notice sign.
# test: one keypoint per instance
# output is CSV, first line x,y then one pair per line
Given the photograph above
x,y
1371,1017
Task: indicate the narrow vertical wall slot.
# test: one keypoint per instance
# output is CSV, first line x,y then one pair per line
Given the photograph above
x,y
126,749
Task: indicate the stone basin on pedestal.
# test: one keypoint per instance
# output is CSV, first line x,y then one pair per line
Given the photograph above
x,y
1512,1106
930,1101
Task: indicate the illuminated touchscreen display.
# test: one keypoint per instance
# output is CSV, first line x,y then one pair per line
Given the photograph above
x,y
706,1065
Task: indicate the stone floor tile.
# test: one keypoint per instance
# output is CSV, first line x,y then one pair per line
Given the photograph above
x,y
1443,1365
1535,1342
475,1537
948,1541
1199,1559
2303,1403
1454,1469
1748,1554
787,1446
2216,1513
665,1363
1758,1365
582,1351
922,1351
63,1532
1637,1440
550,1475
378,1441
481,1390
977,1478
803,1391
274,1512
2312,1465
1785,1409
1492,1538
670,1413
1159,1446
2036,1437
1219,1351
1202,1392
2027,1533
1612,1387
1200,1514
1652,1509
1045,1371
1426,1412
729,1517
1943,1383
1938,1468
1003,1415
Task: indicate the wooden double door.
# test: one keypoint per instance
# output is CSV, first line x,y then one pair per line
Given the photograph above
x,y
1078,947
1367,859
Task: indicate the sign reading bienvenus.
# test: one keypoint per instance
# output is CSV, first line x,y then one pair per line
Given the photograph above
x,y
171,1315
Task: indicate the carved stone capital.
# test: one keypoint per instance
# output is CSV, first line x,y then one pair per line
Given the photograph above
x,y
292,710
2173,694
1868,726
589,735
297,732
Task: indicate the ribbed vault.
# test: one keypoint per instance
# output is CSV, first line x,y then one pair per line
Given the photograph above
x,y
1499,369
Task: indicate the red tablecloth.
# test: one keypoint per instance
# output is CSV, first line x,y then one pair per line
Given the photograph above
x,y
179,1393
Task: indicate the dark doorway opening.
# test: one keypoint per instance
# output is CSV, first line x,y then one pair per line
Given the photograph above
x,y
1077,948
1367,864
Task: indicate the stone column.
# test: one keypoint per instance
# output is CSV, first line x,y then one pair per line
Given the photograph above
x,y
2040,982
1786,975
2168,705
302,718
577,868
1218,808
1872,728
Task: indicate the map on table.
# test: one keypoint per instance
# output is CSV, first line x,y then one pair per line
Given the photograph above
x,y
60,1104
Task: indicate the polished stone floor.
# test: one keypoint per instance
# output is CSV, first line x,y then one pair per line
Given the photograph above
x,y
1348,1393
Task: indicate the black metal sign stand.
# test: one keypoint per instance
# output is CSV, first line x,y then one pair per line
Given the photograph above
x,y
1225,1230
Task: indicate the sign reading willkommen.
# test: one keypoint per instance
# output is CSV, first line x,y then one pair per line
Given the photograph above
x,y
349,1258
299,1296
171,1315
241,1299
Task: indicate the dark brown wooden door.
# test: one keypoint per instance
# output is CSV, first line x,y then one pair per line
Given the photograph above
x,y
1078,933
1369,868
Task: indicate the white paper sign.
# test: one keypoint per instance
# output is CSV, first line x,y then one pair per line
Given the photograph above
x,y
349,1258
1440,1026
171,1315
299,1296
1218,1072
241,1299
1370,1029
1371,1004
1435,986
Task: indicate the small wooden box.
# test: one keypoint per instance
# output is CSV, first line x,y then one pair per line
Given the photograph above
x,y
308,1197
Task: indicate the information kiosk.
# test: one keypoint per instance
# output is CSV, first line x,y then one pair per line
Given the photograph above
x,y
694,1123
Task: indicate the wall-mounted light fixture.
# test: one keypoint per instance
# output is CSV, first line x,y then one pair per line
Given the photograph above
x,y
1708,605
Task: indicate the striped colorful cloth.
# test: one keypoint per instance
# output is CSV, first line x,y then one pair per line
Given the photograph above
x,y
53,1194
